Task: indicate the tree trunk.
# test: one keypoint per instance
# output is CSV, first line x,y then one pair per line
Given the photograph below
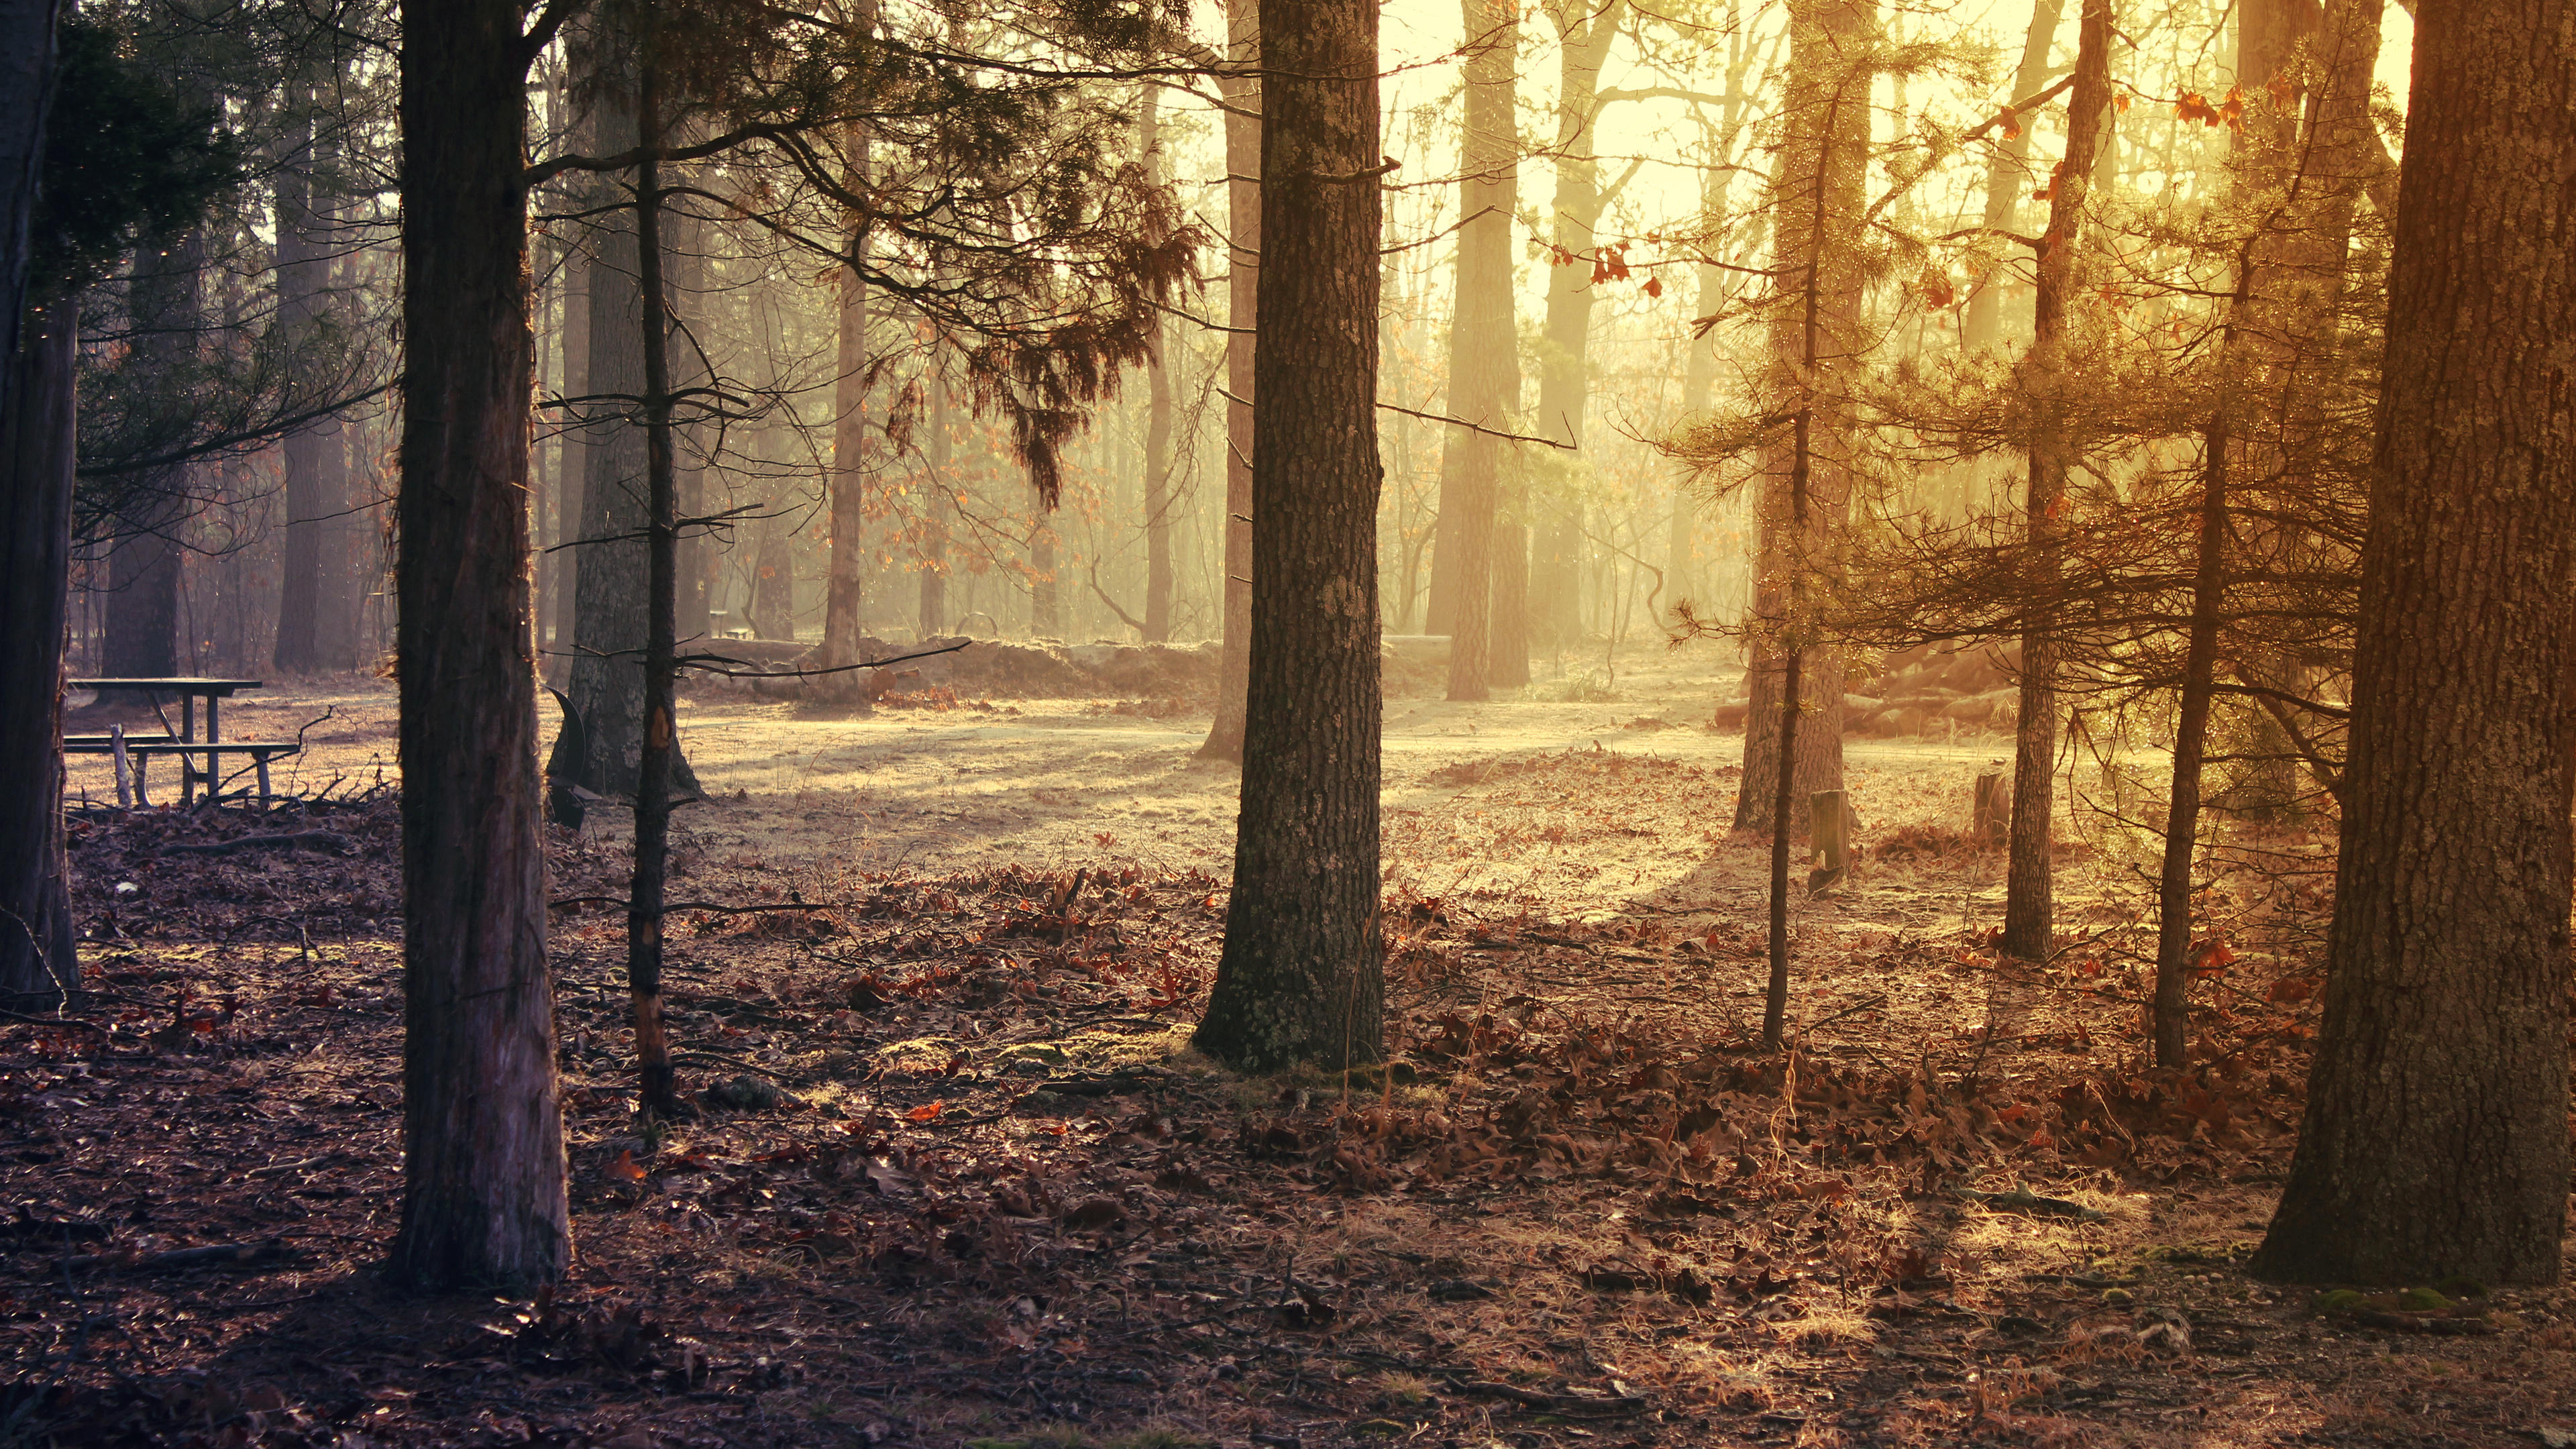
x,y
1484,352
143,568
2191,741
577,442
612,608
1584,31
312,590
1507,634
2008,177
937,504
1158,423
2435,1139
1046,613
654,1074
26,98
483,1153
38,964
2028,910
1243,161
1300,979
1822,160
843,598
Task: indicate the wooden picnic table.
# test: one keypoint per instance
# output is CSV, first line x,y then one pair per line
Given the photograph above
x,y
189,690
182,740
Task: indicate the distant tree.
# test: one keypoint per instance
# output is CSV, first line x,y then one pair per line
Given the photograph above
x,y
1300,978
1241,89
2435,1137
1484,350
483,1155
1158,414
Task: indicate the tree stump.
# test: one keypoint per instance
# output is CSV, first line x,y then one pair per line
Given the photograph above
x,y
1832,815
1991,820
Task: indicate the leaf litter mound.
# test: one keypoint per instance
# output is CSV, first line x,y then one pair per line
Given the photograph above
x,y
954,1178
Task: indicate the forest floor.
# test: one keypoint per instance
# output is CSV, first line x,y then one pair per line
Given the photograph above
x,y
957,1180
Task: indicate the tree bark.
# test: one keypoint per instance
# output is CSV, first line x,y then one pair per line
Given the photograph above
x,y
1243,161
2435,1139
1484,351
2030,875
1301,975
612,609
27,44
1823,157
38,960
483,1154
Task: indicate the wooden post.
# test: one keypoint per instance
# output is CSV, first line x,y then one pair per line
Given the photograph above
x,y
124,783
1991,819
1832,837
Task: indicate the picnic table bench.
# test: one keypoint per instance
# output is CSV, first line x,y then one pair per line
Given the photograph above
x,y
133,752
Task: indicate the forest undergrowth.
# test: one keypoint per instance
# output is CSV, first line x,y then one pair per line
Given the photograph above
x,y
954,1178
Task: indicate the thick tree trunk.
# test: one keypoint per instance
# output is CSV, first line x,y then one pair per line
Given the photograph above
x,y
38,964
2030,875
1822,161
483,1153
27,46
1300,979
612,609
1484,353
1243,160
2435,1139
2008,177
313,592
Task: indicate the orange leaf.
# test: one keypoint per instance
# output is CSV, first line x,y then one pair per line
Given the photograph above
x,y
1654,286
624,1168
928,1113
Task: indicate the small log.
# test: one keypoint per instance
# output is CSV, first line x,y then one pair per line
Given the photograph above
x,y
1832,838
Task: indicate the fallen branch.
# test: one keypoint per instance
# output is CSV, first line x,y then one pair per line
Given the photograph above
x,y
295,840
281,1169
2021,1200
1572,1406
215,1255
